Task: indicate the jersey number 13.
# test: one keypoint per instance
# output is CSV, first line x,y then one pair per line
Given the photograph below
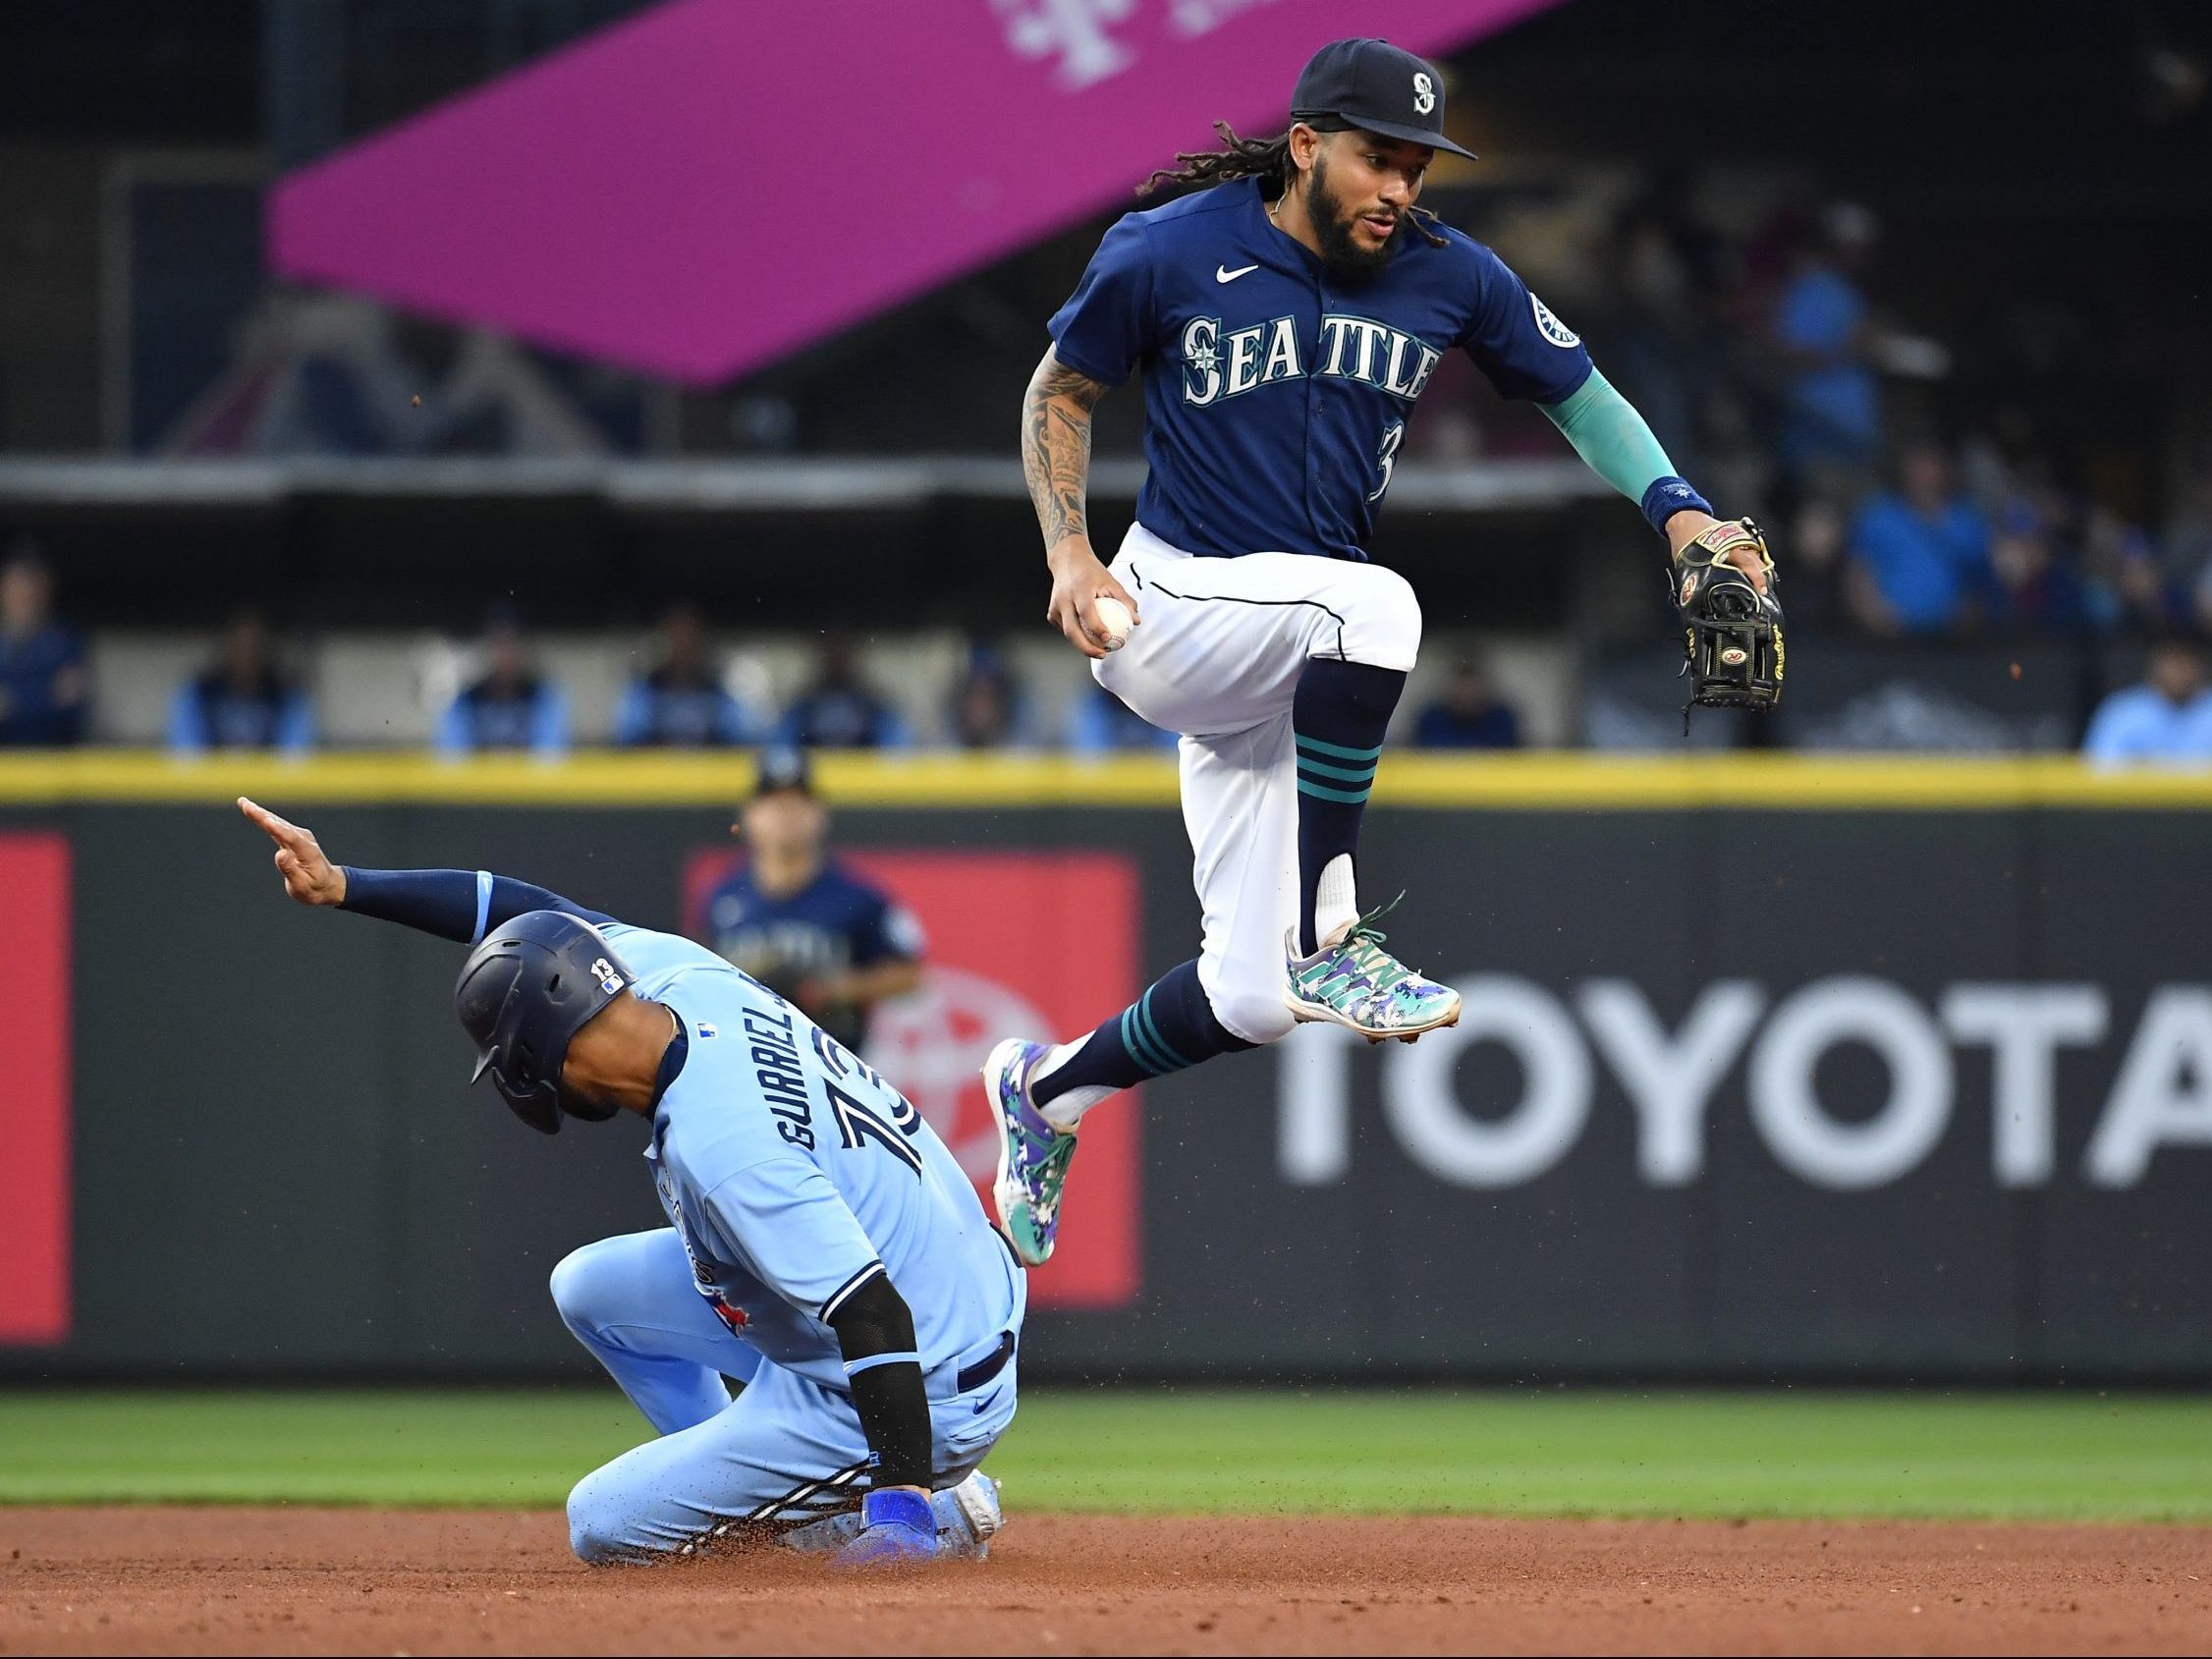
x,y
1386,456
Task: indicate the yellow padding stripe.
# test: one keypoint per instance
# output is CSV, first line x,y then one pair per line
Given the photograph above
x,y
1495,782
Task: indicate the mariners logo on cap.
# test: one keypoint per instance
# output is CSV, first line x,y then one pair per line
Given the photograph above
x,y
1557,332
1424,94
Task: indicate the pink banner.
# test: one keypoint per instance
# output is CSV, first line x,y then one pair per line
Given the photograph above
x,y
717,183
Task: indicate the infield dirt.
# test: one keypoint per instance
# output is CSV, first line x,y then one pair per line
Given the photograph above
x,y
307,1581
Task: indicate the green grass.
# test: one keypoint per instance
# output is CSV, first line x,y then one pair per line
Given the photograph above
x,y
1549,1452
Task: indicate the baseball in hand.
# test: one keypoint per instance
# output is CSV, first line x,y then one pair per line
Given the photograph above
x,y
1114,618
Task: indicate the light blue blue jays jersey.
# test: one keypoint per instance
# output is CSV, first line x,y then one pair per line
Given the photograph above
x,y
1276,390
795,1174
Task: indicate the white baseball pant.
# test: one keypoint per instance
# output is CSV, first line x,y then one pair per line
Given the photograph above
x,y
1216,657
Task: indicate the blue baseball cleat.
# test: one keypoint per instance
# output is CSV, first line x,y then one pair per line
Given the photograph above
x,y
1033,1156
967,1516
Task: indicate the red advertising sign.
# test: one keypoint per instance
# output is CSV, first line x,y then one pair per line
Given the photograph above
x,y
1038,945
34,1090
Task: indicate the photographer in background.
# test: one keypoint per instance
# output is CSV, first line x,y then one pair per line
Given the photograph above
x,y
839,710
1469,715
43,681
511,705
2167,719
242,700
680,701
799,922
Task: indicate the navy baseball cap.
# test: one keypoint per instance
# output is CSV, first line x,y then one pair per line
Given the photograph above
x,y
783,766
1377,88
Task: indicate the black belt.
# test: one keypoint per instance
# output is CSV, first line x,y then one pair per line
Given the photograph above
x,y
972,1377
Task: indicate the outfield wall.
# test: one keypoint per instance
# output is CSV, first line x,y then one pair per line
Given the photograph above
x,y
1770,1067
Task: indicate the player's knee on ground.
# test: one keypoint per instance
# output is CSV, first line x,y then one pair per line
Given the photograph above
x,y
600,1529
577,1287
1382,617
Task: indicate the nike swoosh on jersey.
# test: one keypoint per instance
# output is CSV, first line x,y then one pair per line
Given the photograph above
x,y
1222,273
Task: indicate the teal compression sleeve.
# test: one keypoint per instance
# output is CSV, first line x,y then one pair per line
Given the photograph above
x,y
1612,437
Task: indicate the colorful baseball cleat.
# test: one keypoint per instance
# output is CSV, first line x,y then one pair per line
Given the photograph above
x,y
967,1516
1033,1156
1358,984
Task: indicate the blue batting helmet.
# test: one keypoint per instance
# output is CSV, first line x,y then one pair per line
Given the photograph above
x,y
523,995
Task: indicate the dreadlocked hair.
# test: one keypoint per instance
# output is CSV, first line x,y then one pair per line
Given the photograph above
x,y
1267,159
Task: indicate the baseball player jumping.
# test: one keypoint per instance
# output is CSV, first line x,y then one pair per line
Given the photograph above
x,y
823,1247
1287,315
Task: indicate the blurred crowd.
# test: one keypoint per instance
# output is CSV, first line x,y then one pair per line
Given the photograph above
x,y
686,696
1915,493
1912,499
1792,359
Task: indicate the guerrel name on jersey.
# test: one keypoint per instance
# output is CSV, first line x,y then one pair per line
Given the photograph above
x,y
1277,391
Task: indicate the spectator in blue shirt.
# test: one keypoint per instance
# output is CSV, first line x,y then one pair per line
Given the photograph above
x,y
679,703
512,706
43,683
243,701
1469,715
1919,554
1824,327
838,710
2168,718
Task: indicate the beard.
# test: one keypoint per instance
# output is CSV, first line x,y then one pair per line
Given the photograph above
x,y
589,1108
1341,252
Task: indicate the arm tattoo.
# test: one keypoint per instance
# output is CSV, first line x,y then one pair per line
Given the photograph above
x,y
1056,447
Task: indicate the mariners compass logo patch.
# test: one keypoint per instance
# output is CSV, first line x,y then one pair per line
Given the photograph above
x,y
1557,332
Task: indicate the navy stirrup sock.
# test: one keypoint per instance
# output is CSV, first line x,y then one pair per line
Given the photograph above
x,y
1338,714
1169,1029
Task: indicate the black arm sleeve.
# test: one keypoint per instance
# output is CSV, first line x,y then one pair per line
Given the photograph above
x,y
457,904
875,1332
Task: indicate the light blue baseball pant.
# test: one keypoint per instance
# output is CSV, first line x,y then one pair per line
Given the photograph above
x,y
785,1450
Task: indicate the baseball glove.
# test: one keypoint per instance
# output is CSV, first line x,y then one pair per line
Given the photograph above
x,y
1732,633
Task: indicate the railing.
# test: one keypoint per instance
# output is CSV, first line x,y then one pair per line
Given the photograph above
x,y
1535,781
779,483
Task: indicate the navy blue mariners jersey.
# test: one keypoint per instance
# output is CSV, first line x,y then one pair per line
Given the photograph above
x,y
795,1174
834,922
1276,393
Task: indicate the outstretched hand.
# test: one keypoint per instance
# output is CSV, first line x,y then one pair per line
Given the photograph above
x,y
309,877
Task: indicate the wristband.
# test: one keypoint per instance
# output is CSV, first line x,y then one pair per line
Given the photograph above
x,y
1663,497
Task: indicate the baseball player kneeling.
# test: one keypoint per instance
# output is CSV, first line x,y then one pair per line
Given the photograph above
x,y
823,1247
